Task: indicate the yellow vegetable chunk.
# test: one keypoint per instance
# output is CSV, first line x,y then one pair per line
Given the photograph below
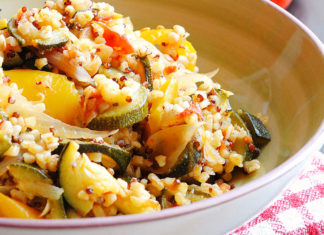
x,y
183,47
170,90
60,96
10,208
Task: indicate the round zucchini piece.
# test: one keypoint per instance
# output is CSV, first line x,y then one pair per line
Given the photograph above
x,y
121,156
78,174
22,171
123,116
58,38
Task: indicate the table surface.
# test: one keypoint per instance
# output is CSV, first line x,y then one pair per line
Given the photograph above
x,y
311,13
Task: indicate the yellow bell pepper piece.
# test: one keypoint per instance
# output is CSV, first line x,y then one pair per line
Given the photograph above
x,y
3,23
10,208
184,47
60,96
170,90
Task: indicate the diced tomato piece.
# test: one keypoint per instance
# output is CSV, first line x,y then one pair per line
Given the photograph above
x,y
119,42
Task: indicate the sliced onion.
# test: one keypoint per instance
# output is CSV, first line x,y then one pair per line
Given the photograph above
x,y
76,72
41,189
46,209
212,73
44,122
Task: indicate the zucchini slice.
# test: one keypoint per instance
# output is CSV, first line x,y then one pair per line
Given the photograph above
x,y
21,171
259,132
58,38
186,161
123,116
78,174
119,155
5,142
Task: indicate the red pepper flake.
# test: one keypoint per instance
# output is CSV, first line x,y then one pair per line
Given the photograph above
x,y
98,50
16,114
129,99
200,98
11,100
38,83
210,190
251,147
156,56
6,79
24,9
123,78
218,109
164,44
52,129
16,22
213,102
36,24
60,139
1,121
89,190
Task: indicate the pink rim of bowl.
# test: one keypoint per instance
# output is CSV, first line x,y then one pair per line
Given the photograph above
x,y
305,151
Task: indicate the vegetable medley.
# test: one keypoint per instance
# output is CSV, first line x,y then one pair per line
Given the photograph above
x,y
99,119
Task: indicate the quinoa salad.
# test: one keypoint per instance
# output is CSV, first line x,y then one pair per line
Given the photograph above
x,y
99,119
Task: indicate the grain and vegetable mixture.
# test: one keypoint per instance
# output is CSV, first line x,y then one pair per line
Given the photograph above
x,y
99,119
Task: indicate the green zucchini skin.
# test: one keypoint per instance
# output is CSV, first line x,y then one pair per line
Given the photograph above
x,y
124,116
5,142
56,41
148,72
121,156
260,134
187,160
23,171
12,29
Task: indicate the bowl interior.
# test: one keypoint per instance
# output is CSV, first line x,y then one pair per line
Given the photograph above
x,y
269,62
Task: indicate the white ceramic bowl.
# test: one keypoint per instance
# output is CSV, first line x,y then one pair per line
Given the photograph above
x,y
273,63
